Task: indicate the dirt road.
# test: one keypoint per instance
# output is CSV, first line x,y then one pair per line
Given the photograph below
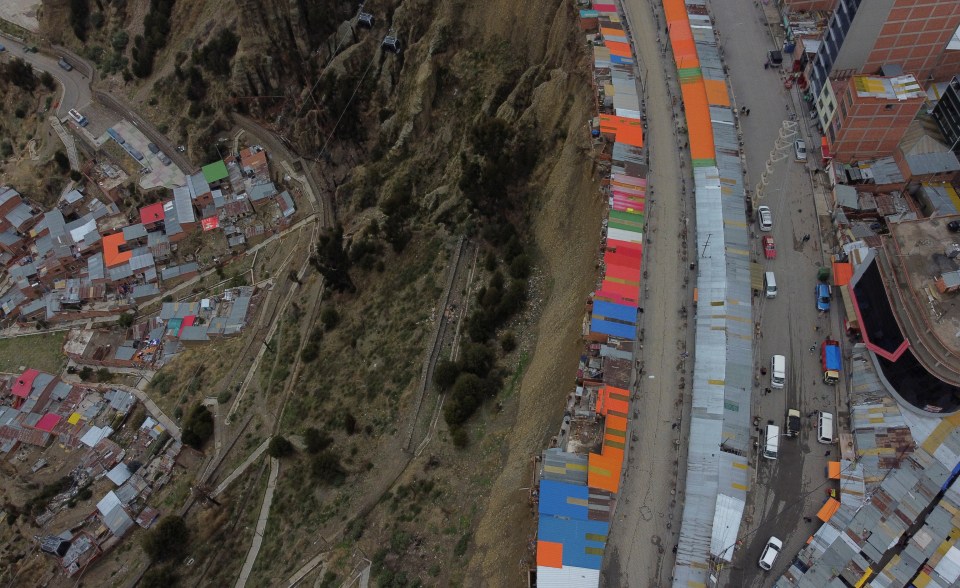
x,y
644,531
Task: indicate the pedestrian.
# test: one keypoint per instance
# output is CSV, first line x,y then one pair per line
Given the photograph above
x,y
808,519
813,348
827,453
748,112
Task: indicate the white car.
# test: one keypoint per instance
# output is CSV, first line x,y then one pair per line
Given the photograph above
x,y
770,553
800,149
765,218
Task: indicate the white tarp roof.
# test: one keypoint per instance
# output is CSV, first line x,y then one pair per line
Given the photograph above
x,y
567,577
726,525
108,502
119,474
94,435
949,566
83,230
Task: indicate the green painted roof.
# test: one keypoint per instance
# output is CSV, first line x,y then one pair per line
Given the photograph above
x,y
215,171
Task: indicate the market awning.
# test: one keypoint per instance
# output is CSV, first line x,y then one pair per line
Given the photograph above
x,y
828,509
756,276
842,272
833,470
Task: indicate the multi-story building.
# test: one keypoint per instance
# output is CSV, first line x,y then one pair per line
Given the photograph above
x,y
947,114
920,36
872,115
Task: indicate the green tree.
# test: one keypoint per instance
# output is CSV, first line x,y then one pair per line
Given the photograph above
x,y
60,158
86,373
280,447
47,80
445,374
125,320
167,540
198,426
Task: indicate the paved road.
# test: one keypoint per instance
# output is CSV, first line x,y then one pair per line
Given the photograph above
x,y
639,549
788,489
76,85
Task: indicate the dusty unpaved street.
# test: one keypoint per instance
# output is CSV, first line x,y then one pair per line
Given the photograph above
x,y
21,12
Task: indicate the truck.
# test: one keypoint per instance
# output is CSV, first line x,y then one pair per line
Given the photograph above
x,y
793,422
830,358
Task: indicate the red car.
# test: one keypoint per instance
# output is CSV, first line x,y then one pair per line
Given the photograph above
x,y
769,247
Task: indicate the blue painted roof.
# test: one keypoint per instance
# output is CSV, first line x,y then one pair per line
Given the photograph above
x,y
559,499
583,541
614,329
620,312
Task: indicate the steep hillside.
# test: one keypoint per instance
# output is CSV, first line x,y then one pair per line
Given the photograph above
x,y
478,128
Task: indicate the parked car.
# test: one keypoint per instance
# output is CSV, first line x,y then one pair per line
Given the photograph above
x,y
953,226
153,148
2,48
163,158
823,296
769,247
765,217
770,553
800,150
65,64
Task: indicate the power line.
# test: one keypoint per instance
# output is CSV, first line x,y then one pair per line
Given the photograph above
x,y
345,108
796,502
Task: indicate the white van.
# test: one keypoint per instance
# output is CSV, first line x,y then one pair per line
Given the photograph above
x,y
770,284
765,218
771,445
824,427
778,371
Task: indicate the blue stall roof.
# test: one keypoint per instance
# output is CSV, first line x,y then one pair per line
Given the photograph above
x,y
619,312
564,500
583,541
613,329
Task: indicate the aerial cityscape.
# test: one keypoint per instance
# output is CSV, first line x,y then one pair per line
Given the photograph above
x,y
560,294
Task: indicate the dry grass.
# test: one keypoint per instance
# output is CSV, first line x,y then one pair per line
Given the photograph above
x,y
42,352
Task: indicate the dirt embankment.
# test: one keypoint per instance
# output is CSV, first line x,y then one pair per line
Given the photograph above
x,y
566,231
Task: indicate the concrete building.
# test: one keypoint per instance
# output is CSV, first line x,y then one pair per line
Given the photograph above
x,y
861,37
809,5
947,114
872,115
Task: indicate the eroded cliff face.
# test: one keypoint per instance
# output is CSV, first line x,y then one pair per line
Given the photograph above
x,y
385,128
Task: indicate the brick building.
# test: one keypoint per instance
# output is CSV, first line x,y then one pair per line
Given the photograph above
x,y
872,115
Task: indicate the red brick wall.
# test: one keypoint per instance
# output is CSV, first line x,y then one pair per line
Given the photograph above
x,y
915,36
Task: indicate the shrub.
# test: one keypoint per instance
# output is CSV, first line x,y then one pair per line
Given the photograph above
x,y
465,398
86,373
218,53
508,342
349,423
104,375
47,80
520,267
316,441
329,317
79,17
167,540
326,468
125,320
459,437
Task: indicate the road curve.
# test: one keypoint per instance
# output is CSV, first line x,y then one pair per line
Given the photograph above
x,y
76,85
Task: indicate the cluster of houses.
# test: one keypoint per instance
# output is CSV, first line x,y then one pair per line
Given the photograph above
x,y
84,258
40,412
